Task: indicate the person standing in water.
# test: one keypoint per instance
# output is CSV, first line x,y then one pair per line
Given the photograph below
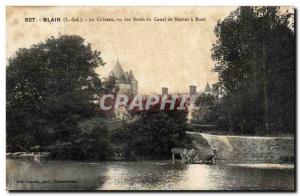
x,y
214,149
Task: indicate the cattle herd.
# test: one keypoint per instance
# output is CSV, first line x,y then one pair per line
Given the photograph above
x,y
192,156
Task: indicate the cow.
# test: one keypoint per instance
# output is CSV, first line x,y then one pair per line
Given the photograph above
x,y
182,152
210,158
204,155
187,155
191,154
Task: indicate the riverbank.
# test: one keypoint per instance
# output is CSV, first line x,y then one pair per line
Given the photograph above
x,y
229,148
246,148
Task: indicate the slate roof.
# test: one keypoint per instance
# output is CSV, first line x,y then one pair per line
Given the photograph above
x,y
207,88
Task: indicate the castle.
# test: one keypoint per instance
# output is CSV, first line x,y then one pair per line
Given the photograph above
x,y
128,85
126,81
208,90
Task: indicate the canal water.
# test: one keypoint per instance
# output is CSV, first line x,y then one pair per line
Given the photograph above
x,y
146,175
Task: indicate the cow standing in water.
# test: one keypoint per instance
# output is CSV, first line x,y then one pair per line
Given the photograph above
x,y
187,156
191,154
182,152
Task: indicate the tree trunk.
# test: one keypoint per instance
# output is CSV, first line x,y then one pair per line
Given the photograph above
x,y
265,89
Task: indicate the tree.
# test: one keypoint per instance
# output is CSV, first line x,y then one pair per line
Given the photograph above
x,y
154,133
204,102
255,55
49,88
110,86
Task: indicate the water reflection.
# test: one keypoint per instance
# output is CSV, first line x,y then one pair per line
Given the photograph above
x,y
147,175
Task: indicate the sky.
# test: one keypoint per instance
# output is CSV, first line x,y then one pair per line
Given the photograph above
x,y
173,54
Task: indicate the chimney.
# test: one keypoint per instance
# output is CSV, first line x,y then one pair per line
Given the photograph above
x,y
193,90
164,91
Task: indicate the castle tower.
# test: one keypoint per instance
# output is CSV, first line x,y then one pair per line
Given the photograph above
x,y
118,72
125,80
164,91
207,89
193,90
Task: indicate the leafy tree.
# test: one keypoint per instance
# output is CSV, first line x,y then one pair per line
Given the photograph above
x,y
94,139
49,88
255,55
204,102
154,133
110,86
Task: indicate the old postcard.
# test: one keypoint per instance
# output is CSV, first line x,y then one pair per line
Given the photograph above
x,y
150,98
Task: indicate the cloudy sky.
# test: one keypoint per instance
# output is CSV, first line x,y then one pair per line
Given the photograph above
x,y
160,54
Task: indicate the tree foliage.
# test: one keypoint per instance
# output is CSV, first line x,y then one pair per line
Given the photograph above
x,y
152,134
49,91
255,55
49,88
205,103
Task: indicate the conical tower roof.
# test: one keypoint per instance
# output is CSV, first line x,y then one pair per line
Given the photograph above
x,y
118,72
207,88
131,76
